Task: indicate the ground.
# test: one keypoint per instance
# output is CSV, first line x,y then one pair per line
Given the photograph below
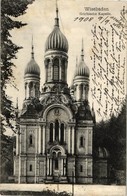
x,y
79,190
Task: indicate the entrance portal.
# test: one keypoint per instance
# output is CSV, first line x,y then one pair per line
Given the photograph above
x,y
58,163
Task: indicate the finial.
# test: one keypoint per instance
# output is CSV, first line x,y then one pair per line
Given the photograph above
x,y
32,52
76,61
82,51
57,18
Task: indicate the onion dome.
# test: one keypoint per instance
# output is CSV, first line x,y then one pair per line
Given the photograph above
x,y
32,67
56,40
82,69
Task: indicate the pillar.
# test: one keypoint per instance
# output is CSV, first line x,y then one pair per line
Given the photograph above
x,y
19,158
17,144
44,139
35,179
34,89
59,133
25,140
25,90
53,132
64,134
46,69
73,140
86,141
60,70
61,167
48,166
69,139
65,165
39,148
51,72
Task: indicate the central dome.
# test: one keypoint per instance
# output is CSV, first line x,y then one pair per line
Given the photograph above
x,y
56,41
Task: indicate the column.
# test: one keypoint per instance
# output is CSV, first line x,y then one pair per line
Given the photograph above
x,y
36,150
64,134
69,139
65,165
46,69
53,132
17,144
25,166
60,71
86,169
50,166
86,141
25,140
14,166
35,169
44,139
61,167
27,89
51,64
39,143
59,133
36,140
73,141
47,166
65,72
34,88
19,159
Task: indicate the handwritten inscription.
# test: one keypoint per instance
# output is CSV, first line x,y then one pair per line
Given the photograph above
x,y
109,37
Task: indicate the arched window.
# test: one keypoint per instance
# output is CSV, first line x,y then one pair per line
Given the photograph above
x,y
30,140
81,141
48,72
31,89
81,168
30,167
51,132
56,69
63,70
56,130
62,133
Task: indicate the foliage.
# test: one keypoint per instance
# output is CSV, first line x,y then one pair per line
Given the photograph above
x,y
42,193
10,9
111,134
7,157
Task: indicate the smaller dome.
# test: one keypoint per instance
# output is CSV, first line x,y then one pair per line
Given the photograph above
x,y
32,68
82,69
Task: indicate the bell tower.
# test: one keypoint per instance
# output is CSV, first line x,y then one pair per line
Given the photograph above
x,y
32,78
56,59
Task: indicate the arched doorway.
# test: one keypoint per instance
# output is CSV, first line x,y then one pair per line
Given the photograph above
x,y
58,162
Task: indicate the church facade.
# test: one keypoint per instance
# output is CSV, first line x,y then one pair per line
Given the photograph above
x,y
55,136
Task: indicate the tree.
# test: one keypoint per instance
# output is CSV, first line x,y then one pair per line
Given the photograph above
x,y
111,134
10,10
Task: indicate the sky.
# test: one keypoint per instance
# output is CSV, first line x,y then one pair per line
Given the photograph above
x,y
40,21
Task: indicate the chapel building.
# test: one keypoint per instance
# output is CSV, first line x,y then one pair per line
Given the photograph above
x,y
55,137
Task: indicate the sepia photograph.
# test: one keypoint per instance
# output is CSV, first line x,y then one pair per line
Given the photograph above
x,y
63,97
